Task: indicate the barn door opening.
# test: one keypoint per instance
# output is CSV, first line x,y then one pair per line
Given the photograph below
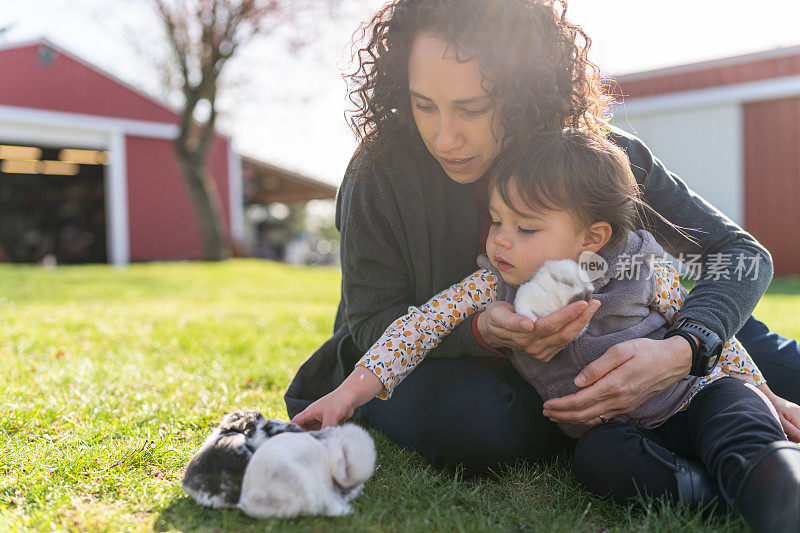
x,y
52,204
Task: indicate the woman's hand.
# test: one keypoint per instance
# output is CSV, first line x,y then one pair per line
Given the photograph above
x,y
788,413
337,406
501,327
622,379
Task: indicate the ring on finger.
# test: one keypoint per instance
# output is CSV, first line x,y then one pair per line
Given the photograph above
x,y
603,419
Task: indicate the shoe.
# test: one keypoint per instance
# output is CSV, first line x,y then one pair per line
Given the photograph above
x,y
769,494
696,487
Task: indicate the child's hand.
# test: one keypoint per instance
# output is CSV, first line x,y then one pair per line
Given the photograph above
x,y
500,326
357,389
788,413
329,410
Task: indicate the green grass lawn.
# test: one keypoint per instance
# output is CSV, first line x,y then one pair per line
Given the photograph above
x,y
111,379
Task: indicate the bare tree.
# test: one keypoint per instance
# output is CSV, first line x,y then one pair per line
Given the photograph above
x,y
203,36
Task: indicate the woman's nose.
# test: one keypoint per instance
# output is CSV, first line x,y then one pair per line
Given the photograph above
x,y
449,138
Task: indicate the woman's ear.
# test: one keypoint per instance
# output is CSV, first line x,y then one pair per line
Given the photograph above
x,y
597,235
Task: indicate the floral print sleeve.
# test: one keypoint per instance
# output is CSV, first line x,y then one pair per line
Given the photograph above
x,y
409,339
668,299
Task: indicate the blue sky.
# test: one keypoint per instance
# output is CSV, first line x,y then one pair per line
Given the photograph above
x,y
288,110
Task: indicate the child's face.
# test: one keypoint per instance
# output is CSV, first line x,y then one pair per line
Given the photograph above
x,y
518,245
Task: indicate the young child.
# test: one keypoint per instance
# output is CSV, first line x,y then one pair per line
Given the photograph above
x,y
560,195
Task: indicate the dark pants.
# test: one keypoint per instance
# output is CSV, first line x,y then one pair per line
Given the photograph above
x,y
459,411
462,412
726,417
776,356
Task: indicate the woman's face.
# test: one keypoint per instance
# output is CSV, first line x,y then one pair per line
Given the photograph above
x,y
455,116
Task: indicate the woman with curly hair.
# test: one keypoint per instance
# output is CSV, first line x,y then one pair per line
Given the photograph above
x,y
442,88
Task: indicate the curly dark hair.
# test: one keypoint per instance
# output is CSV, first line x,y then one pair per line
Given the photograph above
x,y
534,60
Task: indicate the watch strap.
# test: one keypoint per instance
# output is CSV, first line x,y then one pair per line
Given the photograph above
x,y
705,354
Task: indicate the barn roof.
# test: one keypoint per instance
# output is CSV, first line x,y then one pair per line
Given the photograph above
x,y
769,64
47,76
266,183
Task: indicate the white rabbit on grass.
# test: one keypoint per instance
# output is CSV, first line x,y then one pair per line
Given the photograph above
x,y
310,473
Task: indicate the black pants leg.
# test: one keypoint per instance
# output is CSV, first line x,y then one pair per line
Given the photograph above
x,y
776,356
462,412
727,417
621,461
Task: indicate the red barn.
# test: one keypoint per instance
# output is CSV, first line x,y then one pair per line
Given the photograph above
x,y
731,128
87,168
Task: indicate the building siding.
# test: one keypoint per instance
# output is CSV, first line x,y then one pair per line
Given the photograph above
x,y
772,179
702,146
163,223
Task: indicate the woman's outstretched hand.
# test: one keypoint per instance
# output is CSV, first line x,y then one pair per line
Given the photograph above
x,y
622,379
501,327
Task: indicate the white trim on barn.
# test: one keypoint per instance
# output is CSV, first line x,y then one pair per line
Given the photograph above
x,y
26,133
235,194
117,229
42,117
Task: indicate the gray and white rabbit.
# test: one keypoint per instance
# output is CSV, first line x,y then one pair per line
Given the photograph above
x,y
213,477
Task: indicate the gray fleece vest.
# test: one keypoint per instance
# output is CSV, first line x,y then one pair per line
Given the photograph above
x,y
625,292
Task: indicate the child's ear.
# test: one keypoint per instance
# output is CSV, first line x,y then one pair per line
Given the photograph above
x,y
597,235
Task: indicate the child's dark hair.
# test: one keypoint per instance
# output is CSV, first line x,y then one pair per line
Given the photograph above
x,y
573,170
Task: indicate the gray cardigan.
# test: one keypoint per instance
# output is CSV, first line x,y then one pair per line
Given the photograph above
x,y
408,232
625,291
